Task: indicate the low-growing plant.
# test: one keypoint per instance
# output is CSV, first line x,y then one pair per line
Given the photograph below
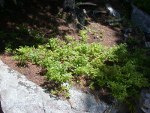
x,y
83,35
114,68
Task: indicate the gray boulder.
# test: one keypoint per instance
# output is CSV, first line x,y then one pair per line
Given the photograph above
x,y
141,19
19,95
145,101
86,102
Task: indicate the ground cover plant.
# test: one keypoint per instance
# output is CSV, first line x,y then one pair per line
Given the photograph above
x,y
121,71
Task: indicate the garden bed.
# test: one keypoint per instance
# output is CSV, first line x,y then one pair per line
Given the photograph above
x,y
92,59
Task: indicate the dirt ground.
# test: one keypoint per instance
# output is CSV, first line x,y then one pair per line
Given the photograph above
x,y
43,18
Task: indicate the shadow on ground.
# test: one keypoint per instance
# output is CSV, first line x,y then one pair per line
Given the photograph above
x,y
1,111
25,23
29,22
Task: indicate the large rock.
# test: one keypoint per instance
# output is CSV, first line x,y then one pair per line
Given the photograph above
x,y
141,19
145,101
86,102
19,95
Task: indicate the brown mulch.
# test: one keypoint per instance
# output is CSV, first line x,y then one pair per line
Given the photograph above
x,y
110,35
31,71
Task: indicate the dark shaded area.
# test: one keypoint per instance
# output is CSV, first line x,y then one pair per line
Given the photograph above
x,y
30,23
34,12
25,23
1,111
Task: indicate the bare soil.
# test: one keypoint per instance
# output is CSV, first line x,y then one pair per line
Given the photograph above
x,y
31,71
43,18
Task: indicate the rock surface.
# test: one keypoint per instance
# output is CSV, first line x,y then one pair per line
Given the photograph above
x,y
141,19
19,95
145,101
86,102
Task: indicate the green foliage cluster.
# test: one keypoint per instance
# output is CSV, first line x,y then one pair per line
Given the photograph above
x,y
143,4
114,68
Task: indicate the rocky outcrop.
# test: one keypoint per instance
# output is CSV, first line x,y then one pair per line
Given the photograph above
x,y
19,95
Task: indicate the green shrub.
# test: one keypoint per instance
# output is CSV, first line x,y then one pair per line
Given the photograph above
x,y
114,68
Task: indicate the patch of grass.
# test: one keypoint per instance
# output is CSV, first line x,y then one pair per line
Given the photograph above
x,y
115,68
